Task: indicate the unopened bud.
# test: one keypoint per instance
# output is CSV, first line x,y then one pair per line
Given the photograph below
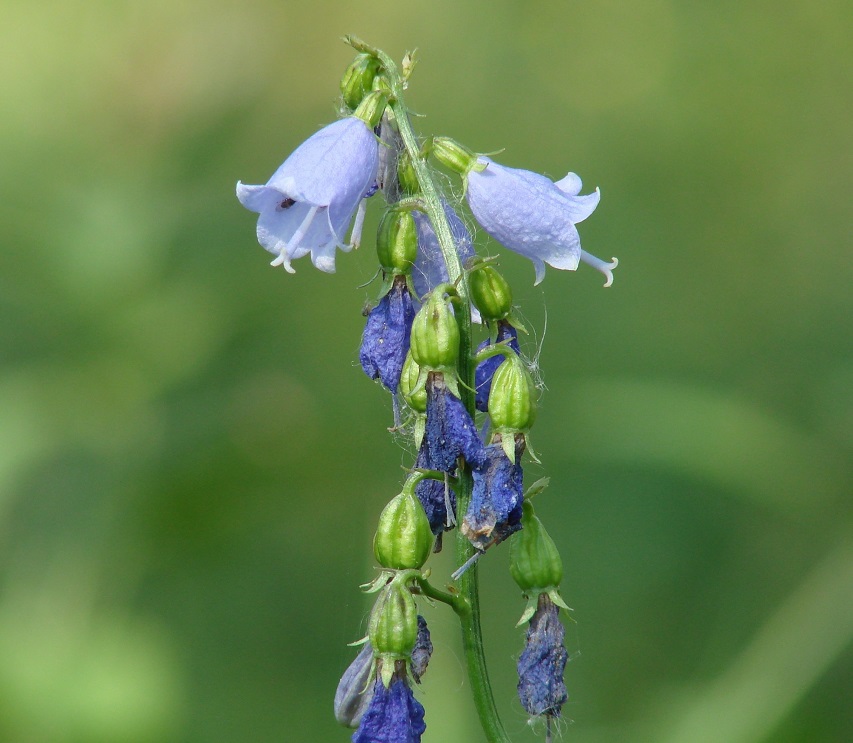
x,y
512,400
490,292
358,79
403,538
435,333
397,242
406,175
534,561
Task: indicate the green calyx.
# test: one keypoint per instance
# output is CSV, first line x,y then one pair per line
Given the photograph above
x,y
412,385
534,562
403,539
490,292
393,626
512,400
453,155
435,332
372,107
408,179
357,81
397,242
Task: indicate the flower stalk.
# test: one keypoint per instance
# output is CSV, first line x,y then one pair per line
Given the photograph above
x,y
468,583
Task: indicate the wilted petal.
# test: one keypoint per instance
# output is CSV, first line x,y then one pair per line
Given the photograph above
x,y
355,689
496,499
385,341
422,652
394,715
432,495
450,432
541,688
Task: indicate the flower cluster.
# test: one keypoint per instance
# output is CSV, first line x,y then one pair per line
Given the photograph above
x,y
467,413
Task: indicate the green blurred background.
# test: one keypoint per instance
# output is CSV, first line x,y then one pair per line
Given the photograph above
x,y
191,461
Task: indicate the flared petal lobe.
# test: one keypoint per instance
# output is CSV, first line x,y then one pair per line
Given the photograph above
x,y
308,203
530,214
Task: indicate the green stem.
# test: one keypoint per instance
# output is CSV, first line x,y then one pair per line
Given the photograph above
x,y
472,637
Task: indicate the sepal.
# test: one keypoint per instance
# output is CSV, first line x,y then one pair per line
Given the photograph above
x,y
372,107
453,155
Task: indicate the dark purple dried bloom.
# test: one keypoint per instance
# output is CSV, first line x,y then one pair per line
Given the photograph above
x,y
385,342
497,497
430,492
540,668
450,432
422,652
486,369
394,715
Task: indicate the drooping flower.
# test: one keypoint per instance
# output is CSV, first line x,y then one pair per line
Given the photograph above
x,y
541,688
450,432
356,688
385,342
496,499
308,203
394,715
534,216
486,369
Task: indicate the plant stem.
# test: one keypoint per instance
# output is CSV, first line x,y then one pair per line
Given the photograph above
x,y
472,638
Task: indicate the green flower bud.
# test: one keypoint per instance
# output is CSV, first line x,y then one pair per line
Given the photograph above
x,y
393,626
357,81
415,395
435,333
454,155
397,242
403,538
534,561
490,292
512,400
371,108
409,184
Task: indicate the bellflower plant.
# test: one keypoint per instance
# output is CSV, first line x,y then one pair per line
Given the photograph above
x,y
464,415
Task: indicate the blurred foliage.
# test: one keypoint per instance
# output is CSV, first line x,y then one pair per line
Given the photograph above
x,y
191,463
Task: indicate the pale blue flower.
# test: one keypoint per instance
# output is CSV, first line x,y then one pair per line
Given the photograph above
x,y
308,204
533,216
